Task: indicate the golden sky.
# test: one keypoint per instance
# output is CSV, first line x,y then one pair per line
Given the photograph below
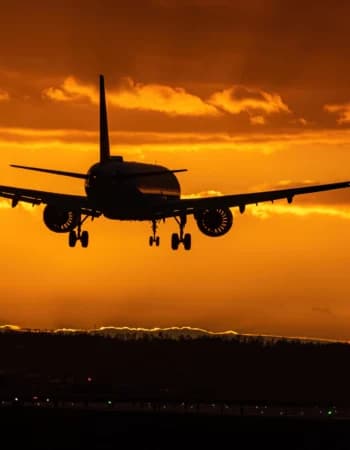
x,y
247,95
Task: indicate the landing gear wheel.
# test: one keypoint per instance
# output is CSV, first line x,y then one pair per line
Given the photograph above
x,y
84,239
182,238
72,239
175,241
187,241
154,239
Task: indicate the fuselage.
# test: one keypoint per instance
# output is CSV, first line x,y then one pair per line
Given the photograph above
x,y
130,190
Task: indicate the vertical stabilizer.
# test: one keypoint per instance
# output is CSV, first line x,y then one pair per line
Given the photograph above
x,y
104,139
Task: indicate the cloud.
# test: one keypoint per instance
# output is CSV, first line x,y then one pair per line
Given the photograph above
x,y
136,96
266,211
257,120
4,95
71,90
203,194
128,142
157,97
302,121
175,101
255,102
342,109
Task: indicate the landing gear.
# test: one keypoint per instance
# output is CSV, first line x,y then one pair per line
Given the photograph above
x,y
72,240
82,236
154,239
84,239
187,241
177,239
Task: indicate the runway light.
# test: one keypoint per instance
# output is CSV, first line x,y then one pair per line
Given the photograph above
x,y
89,379
109,402
16,399
47,400
329,412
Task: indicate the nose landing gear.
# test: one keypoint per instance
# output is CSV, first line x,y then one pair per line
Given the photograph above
x,y
154,239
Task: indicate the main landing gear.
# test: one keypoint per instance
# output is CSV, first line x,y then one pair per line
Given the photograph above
x,y
154,239
82,236
181,238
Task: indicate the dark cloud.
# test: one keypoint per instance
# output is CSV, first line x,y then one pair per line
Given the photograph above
x,y
249,42
298,50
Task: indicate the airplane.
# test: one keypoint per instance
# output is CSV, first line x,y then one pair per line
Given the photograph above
x,y
127,190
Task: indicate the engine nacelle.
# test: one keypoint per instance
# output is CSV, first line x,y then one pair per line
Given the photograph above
x,y
60,220
214,222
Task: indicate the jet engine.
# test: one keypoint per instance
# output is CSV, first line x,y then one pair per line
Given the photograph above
x,y
214,222
60,220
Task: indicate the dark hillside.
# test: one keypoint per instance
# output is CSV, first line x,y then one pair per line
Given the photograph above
x,y
201,369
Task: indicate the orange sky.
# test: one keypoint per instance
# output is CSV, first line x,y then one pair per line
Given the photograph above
x,y
246,95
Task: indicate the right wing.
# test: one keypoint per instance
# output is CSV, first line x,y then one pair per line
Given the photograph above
x,y
191,205
66,201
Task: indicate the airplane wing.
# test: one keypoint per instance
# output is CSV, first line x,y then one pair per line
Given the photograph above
x,y
189,206
67,201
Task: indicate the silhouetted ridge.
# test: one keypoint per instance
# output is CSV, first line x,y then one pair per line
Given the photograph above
x,y
172,333
141,366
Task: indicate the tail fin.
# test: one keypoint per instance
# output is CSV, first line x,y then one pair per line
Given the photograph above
x,y
104,139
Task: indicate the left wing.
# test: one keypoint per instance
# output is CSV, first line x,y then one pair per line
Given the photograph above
x,y
67,201
189,206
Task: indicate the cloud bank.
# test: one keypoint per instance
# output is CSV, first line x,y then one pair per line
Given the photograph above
x,y
175,101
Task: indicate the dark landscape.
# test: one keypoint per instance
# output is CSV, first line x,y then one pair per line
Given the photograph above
x,y
101,387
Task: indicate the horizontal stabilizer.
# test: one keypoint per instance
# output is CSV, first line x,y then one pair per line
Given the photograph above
x,y
55,172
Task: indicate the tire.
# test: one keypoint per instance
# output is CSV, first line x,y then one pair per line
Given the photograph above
x,y
150,241
72,238
84,239
187,241
157,241
175,240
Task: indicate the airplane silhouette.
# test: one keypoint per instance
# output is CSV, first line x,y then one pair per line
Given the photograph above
x,y
123,190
